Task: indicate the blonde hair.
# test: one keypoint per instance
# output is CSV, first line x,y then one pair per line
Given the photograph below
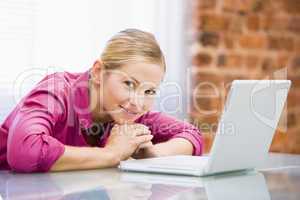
x,y
131,46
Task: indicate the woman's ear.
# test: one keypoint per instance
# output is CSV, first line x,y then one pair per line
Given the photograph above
x,y
97,71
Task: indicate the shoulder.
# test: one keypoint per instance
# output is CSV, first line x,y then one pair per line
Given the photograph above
x,y
57,82
58,85
53,90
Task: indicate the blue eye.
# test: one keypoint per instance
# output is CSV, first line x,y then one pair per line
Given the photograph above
x,y
129,84
150,92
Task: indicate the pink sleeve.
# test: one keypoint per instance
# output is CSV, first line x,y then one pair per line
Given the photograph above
x,y
30,146
165,127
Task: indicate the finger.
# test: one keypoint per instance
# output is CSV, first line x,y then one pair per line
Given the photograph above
x,y
145,145
142,129
115,126
115,129
143,139
127,126
134,129
142,132
142,126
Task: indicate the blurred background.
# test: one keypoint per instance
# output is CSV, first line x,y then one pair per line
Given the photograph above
x,y
207,44
246,39
39,37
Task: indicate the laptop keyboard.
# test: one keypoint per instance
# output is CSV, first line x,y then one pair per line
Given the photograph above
x,y
176,161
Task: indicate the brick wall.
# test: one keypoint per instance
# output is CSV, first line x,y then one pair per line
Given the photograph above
x,y
244,39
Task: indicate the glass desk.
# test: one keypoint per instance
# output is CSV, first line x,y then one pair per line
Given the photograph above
x,y
277,178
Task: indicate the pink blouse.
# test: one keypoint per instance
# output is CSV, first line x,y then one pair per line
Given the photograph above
x,y
56,113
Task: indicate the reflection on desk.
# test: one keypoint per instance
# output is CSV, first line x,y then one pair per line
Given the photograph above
x,y
279,183
251,185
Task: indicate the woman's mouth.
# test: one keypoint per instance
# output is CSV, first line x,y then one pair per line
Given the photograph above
x,y
129,113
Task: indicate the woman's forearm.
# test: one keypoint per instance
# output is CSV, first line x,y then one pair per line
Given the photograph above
x,y
175,146
80,158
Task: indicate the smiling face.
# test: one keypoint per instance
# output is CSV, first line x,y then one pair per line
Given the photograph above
x,y
128,92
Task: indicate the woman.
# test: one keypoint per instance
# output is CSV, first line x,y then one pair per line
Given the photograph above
x,y
95,119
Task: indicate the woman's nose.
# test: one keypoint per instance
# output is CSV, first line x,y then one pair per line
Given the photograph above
x,y
137,101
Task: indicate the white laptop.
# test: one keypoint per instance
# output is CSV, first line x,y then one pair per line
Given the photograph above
x,y
243,137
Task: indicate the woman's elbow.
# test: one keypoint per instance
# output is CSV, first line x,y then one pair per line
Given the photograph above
x,y
198,142
22,158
